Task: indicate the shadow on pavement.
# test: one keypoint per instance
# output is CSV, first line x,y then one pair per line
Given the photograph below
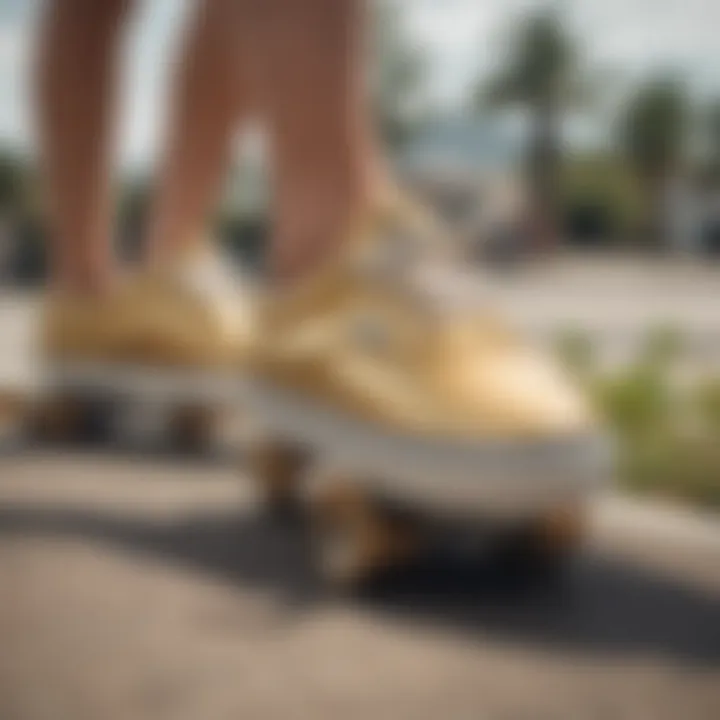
x,y
605,607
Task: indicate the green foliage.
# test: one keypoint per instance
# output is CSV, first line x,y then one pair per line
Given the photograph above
x,y
541,69
667,444
674,465
636,402
576,351
543,75
707,401
605,183
640,400
653,127
668,435
663,345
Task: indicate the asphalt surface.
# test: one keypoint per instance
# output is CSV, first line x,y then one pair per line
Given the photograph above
x,y
152,587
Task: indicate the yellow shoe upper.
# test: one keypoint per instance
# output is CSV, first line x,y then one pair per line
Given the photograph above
x,y
185,317
369,334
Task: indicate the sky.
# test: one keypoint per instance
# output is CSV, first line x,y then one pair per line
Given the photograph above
x,y
624,40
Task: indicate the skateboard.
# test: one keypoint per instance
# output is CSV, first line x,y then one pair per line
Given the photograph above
x,y
372,508
100,402
367,514
358,532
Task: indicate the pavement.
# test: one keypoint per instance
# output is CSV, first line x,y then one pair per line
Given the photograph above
x,y
617,301
151,587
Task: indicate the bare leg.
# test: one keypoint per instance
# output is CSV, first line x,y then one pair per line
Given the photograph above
x,y
314,96
78,64
310,82
210,95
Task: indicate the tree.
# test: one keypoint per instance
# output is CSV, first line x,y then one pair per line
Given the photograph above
x,y
600,196
652,136
398,72
542,76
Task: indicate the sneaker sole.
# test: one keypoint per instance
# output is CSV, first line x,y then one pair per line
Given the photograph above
x,y
509,478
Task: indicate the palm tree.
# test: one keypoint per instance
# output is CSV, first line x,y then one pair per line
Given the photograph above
x,y
542,76
652,136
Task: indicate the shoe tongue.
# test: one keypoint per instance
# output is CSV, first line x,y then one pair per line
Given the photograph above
x,y
405,248
397,237
385,245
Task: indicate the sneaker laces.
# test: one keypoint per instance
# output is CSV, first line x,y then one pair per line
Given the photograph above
x,y
420,261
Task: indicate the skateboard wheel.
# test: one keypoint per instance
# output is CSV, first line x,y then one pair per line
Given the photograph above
x,y
192,427
543,547
73,419
354,538
277,468
59,419
561,531
13,415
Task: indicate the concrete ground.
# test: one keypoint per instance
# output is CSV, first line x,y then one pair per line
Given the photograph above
x,y
617,301
147,587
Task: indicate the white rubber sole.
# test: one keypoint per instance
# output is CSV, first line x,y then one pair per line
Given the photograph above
x,y
496,477
158,385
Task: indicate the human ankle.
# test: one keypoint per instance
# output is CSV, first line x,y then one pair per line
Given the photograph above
x,y
311,233
86,283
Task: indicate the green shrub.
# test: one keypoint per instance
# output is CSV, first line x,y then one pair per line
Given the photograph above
x,y
576,351
668,439
635,402
707,403
668,435
604,187
662,346
673,465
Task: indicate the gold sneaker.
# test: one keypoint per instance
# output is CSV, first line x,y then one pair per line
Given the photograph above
x,y
193,317
385,363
